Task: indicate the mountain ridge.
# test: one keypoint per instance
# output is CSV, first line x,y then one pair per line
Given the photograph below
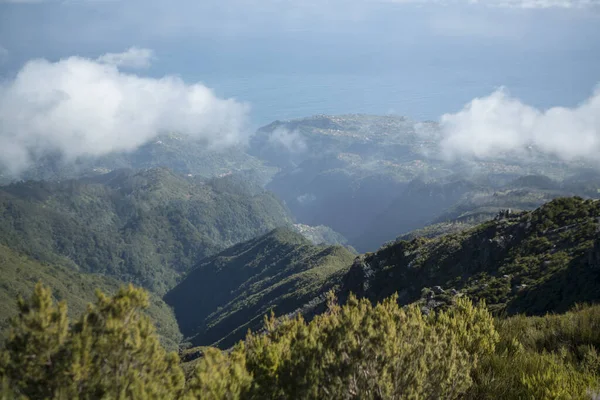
x,y
276,271
145,227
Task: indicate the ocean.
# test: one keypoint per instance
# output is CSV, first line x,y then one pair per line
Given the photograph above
x,y
423,92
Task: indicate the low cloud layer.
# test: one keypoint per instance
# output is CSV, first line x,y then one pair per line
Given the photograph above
x,y
82,107
292,141
500,124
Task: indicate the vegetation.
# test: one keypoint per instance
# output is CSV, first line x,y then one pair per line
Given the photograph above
x,y
145,227
110,352
429,319
229,293
550,357
19,275
536,262
355,351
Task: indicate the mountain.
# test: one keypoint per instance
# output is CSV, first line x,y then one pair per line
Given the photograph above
x,y
147,227
535,262
541,262
19,274
334,167
180,153
415,207
371,178
520,262
434,208
320,234
357,136
229,293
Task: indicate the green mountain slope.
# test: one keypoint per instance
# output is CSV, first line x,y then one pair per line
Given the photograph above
x,y
144,227
230,292
19,274
529,262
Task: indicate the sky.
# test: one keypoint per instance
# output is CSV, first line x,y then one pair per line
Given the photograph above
x,y
86,77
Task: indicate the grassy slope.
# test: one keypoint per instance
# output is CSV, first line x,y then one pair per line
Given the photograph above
x,y
144,227
19,274
231,292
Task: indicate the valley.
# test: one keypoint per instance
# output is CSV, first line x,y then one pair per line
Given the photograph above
x,y
354,206
300,200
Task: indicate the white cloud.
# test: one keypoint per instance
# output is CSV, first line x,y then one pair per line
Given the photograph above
x,y
500,124
80,107
290,140
134,57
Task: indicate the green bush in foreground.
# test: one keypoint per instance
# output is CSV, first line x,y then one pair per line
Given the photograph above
x,y
550,357
354,351
111,352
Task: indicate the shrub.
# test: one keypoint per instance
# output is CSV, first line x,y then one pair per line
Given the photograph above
x,y
361,351
111,352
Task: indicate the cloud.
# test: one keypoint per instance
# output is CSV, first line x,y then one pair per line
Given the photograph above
x,y
134,57
500,124
81,107
292,141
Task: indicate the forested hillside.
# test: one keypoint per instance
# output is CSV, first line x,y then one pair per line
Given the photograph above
x,y
229,293
526,262
445,344
520,262
19,275
145,227
479,302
